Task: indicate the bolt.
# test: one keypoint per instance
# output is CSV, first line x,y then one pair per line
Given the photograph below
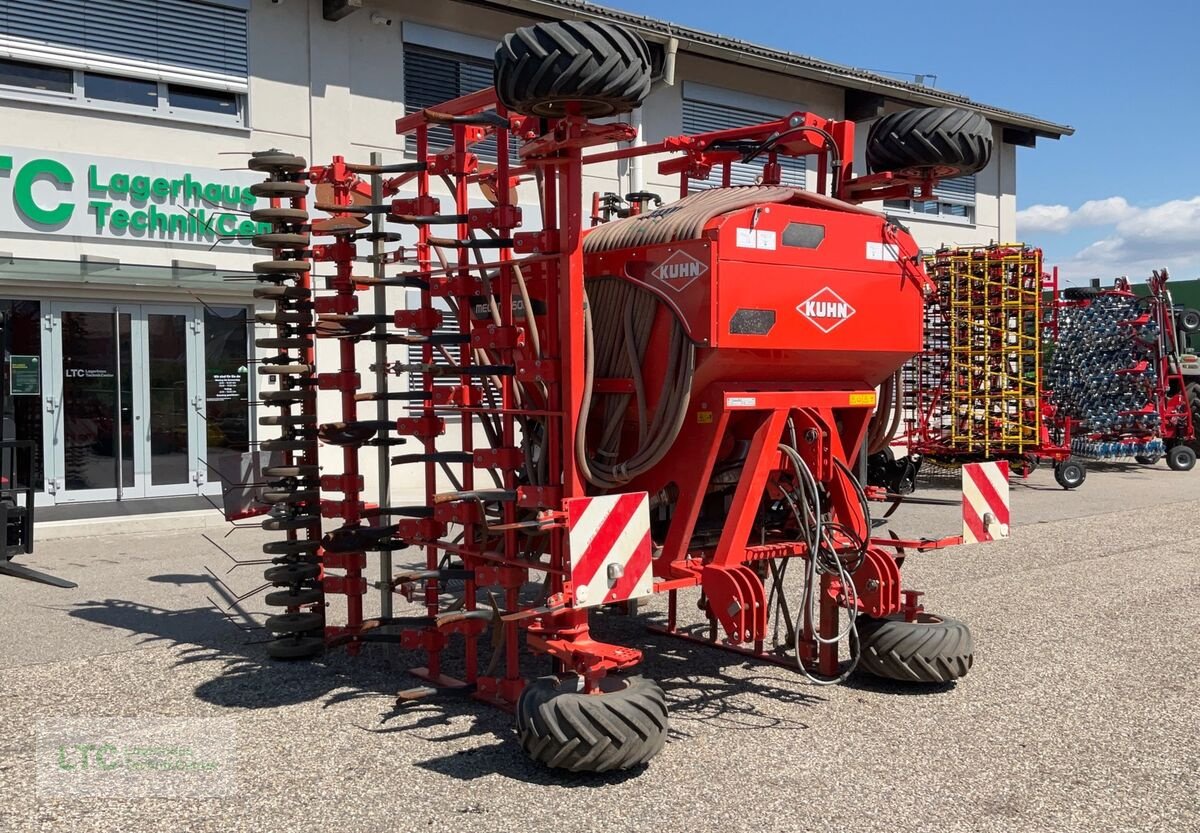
x,y
810,436
873,584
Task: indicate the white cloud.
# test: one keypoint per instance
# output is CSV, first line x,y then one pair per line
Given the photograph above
x,y
1061,218
1142,239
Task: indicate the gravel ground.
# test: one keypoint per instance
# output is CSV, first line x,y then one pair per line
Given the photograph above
x,y
1080,714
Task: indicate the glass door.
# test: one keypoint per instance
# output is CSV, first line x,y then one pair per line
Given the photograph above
x,y
126,418
171,430
95,452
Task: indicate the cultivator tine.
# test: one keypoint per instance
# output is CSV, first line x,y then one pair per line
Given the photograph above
x,y
485,495
485,118
434,457
430,369
397,168
472,243
393,396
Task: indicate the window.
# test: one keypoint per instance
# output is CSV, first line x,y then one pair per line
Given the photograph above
x,y
119,90
34,77
432,77
182,59
200,100
705,117
955,201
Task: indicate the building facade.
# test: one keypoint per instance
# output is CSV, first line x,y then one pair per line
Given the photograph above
x,y
124,232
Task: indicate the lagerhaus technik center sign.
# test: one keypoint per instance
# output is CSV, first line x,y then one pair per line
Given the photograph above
x,y
122,200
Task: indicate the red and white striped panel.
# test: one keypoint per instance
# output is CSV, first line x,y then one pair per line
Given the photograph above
x,y
609,539
985,502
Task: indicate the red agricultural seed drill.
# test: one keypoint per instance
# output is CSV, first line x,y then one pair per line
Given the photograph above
x,y
670,400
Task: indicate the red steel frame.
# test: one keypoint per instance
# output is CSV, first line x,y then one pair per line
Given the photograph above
x,y
551,388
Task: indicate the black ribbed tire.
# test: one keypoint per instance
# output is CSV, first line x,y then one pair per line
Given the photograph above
x,y
1188,319
932,649
621,728
541,69
944,141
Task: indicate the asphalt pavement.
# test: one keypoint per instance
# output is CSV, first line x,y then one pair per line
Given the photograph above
x,y
1081,712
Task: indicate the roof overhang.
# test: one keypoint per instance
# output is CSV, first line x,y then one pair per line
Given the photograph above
x,y
1020,128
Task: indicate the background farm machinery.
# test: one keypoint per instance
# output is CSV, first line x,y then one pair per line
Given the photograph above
x,y
975,391
1117,373
666,402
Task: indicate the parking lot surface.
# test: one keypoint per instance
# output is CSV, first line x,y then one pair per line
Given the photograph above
x,y
1080,714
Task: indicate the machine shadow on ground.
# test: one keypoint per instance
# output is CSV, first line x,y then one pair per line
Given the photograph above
x,y
703,684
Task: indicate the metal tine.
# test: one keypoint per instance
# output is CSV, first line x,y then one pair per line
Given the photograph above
x,y
481,243
434,457
362,208
429,219
397,168
484,118
502,495
433,273
404,511
393,396
457,370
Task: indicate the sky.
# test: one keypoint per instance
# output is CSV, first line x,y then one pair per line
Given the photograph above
x,y
1121,196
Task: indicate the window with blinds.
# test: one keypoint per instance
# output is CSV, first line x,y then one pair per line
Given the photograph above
x,y
953,199
200,43
705,117
432,77
178,59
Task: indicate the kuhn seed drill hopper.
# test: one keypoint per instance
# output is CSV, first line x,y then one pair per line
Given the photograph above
x,y
670,401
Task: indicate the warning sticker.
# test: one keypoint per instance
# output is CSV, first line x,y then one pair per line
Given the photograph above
x,y
883,251
862,398
748,238
740,401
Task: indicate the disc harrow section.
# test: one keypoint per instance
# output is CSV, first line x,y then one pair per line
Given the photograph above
x,y
290,470
1116,373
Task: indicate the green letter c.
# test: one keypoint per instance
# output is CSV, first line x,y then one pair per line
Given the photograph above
x,y
23,191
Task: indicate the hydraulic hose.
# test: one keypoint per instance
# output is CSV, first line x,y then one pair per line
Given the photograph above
x,y
619,352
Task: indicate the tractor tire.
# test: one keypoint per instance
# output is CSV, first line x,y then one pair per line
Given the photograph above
x,y
932,649
622,727
943,141
1181,458
1188,319
545,69
1070,474
1081,293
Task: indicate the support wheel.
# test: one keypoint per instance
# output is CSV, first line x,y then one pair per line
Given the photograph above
x,y
622,727
1181,458
547,68
1070,474
933,649
938,141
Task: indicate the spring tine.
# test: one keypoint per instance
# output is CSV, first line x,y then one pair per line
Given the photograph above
x,y
403,511
397,168
482,243
429,219
488,495
434,457
485,118
393,396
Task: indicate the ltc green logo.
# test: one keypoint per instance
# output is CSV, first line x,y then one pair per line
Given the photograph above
x,y
31,172
126,204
